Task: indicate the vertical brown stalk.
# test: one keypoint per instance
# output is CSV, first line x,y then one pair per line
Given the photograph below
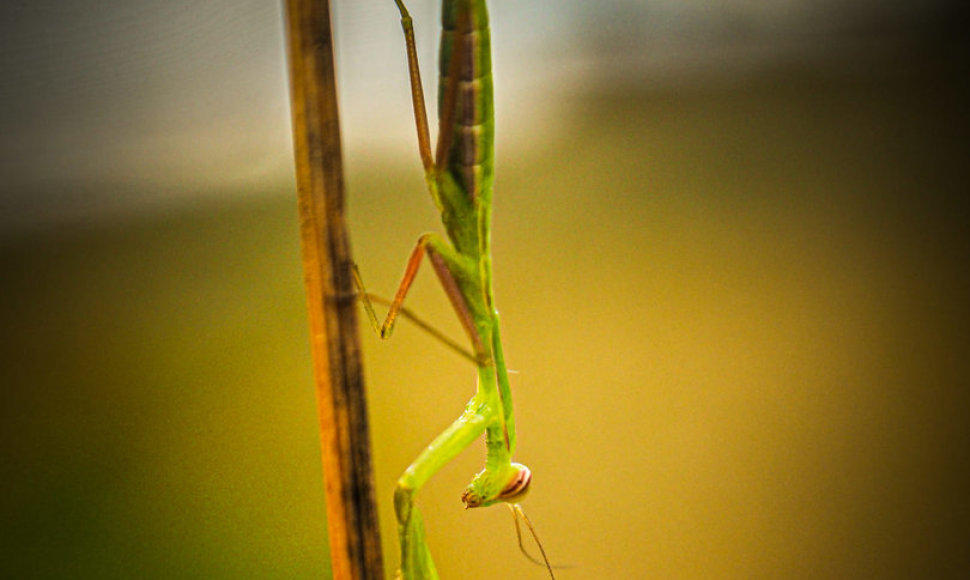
x,y
345,441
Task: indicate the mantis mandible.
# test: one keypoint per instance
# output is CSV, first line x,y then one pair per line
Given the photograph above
x,y
459,177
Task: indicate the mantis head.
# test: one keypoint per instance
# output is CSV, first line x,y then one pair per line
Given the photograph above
x,y
509,485
487,489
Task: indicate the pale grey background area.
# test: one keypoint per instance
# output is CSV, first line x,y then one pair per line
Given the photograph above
x,y
130,106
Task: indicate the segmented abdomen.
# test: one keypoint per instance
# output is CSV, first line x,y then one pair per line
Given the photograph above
x,y
470,155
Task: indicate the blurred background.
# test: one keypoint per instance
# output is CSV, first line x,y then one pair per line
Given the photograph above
x,y
731,256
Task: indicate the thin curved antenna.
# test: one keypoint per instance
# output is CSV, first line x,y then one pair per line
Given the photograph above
x,y
517,513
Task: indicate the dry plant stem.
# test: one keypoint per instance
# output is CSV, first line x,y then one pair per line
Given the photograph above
x,y
345,441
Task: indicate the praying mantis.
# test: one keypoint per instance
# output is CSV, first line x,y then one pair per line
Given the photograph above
x,y
459,176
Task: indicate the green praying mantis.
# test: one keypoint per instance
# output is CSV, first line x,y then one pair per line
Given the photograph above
x,y
459,176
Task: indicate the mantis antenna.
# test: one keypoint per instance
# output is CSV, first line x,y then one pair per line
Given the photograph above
x,y
517,513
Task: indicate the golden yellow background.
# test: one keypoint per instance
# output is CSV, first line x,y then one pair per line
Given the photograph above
x,y
738,313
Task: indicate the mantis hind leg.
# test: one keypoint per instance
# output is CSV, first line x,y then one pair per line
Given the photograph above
x,y
417,92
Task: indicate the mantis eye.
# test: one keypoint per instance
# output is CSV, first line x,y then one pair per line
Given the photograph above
x,y
518,485
514,490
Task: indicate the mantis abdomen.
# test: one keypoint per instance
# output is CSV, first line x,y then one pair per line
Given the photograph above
x,y
466,77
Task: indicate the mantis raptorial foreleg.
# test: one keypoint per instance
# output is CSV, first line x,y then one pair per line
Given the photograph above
x,y
415,557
